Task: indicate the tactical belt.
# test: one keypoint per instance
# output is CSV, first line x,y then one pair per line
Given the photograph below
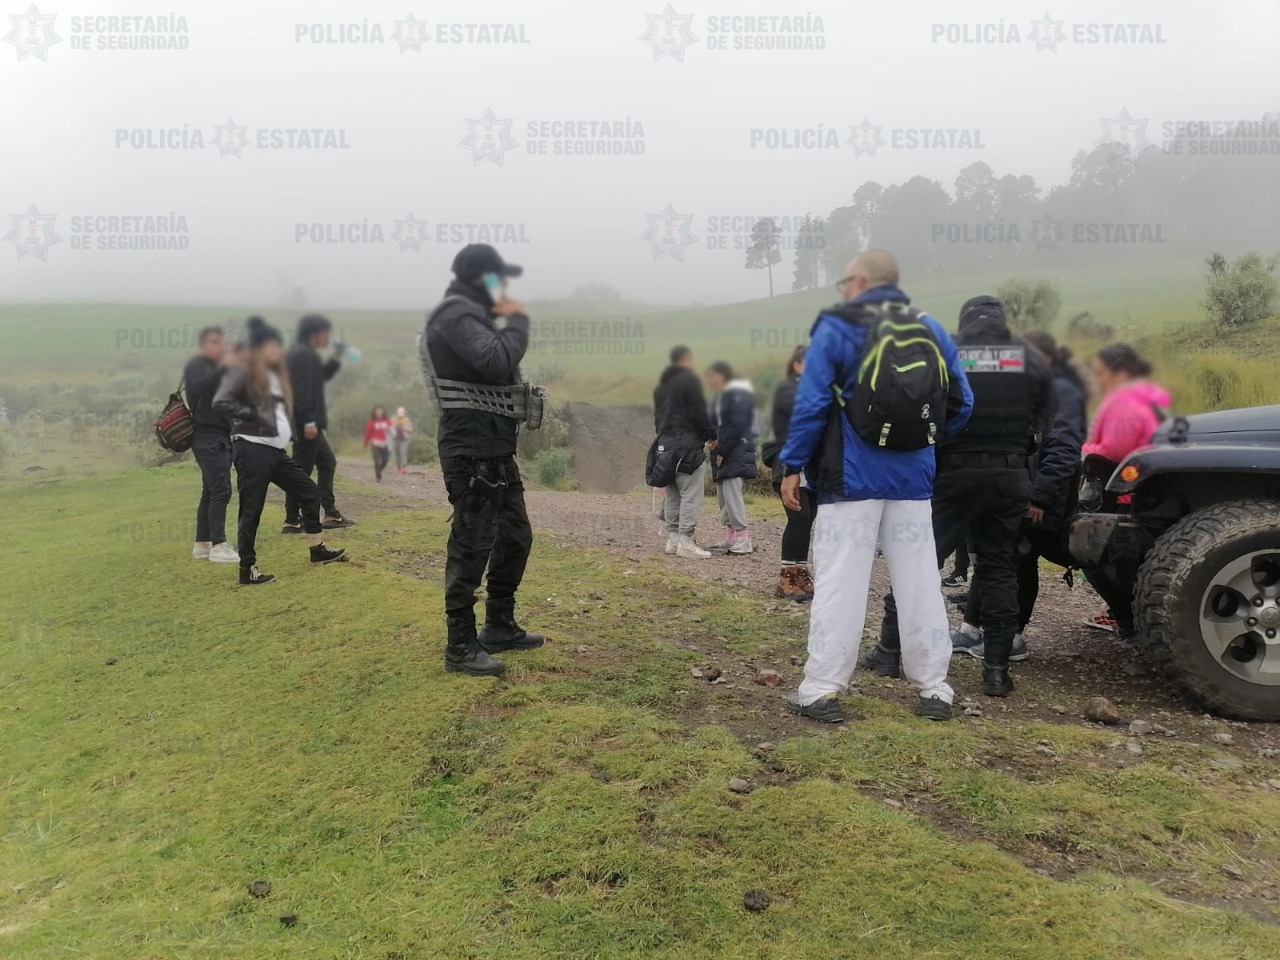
x,y
506,401
984,461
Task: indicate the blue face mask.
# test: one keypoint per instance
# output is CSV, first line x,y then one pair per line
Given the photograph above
x,y
493,284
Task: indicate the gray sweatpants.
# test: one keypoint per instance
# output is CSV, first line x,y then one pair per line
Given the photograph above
x,y
733,509
682,505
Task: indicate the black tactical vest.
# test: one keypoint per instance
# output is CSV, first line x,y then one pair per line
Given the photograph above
x,y
1002,420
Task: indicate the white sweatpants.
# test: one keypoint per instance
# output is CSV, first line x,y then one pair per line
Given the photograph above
x,y
844,548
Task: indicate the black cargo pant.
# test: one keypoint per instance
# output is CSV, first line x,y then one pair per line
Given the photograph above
x,y
317,455
212,449
988,503
257,467
1048,542
490,528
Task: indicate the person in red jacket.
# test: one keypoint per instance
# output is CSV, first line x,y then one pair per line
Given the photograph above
x,y
377,434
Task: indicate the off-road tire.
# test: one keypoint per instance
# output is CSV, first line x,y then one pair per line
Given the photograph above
x,y
1171,587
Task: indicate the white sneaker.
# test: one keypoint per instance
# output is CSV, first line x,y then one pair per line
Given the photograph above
x,y
224,553
686,549
673,541
200,551
742,543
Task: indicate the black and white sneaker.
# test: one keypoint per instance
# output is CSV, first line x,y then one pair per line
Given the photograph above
x,y
336,522
291,528
955,580
322,554
250,577
824,709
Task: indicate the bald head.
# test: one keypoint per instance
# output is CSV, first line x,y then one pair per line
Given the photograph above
x,y
874,268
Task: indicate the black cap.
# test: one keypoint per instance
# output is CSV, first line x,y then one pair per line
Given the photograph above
x,y
476,259
260,332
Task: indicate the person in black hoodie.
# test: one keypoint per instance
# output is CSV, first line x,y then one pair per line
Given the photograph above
x,y
795,582
211,445
462,343
256,399
677,459
1055,481
983,484
311,450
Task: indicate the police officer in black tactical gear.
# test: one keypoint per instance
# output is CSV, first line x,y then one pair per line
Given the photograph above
x,y
472,366
983,485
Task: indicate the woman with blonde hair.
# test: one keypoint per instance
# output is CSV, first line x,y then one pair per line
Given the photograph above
x,y
401,431
255,396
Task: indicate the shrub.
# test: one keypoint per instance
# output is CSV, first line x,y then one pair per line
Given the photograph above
x,y
1242,292
1029,304
552,466
422,448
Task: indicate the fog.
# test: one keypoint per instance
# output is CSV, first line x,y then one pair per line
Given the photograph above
x,y
324,146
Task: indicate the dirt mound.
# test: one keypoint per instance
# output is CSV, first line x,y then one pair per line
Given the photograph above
x,y
609,446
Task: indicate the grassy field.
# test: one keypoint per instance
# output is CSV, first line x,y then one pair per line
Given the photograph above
x,y
167,739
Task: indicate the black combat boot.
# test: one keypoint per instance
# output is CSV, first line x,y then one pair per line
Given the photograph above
x,y
463,653
501,632
996,681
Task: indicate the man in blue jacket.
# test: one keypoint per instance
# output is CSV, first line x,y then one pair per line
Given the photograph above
x,y
867,495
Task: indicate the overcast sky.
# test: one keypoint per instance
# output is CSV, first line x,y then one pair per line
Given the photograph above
x,y
405,151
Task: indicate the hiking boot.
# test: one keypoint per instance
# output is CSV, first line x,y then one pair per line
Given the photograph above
x,y
291,528
463,653
741,543
224,553
965,642
686,549
956,580
322,554
336,522
824,709
884,663
805,579
250,577
501,632
996,681
200,551
791,584
673,541
933,708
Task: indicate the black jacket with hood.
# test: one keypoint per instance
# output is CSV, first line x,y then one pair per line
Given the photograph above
x,y
1016,415
465,344
680,417
308,374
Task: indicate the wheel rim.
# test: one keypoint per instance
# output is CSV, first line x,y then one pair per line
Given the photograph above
x,y
1240,618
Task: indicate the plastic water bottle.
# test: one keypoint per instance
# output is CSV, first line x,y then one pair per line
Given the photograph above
x,y
349,352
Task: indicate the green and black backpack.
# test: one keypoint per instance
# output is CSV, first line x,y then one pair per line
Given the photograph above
x,y
900,392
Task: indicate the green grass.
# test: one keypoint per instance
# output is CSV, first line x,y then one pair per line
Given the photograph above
x,y
305,734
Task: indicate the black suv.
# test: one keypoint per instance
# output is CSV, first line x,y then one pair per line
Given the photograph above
x,y
1186,533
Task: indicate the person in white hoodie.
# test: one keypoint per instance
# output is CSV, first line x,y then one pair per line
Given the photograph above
x,y
733,454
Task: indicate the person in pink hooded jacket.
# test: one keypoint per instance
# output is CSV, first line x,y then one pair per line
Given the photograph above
x,y
1131,410
1132,407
